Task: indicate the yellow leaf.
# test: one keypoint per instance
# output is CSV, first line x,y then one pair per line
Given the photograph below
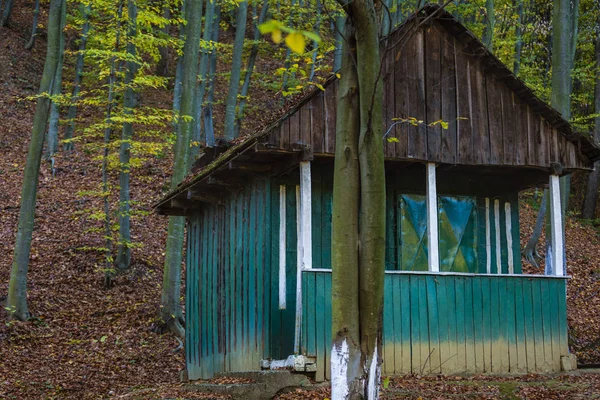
x,y
338,76
296,42
276,36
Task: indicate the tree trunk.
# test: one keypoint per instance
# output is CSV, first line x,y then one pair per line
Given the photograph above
x,y
34,24
52,145
250,67
112,81
315,44
530,251
591,194
209,131
170,309
519,37
358,374
236,71
17,288
346,367
72,113
124,251
337,54
490,23
5,17
162,66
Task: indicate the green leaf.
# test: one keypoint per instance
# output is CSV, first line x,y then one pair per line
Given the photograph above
x,y
386,382
103,339
296,42
312,36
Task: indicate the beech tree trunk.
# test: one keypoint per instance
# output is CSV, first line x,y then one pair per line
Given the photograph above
x,y
5,17
356,374
490,23
17,288
123,259
236,70
591,193
72,113
518,37
34,24
170,308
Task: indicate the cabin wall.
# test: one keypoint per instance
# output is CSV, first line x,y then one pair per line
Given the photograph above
x,y
453,324
228,290
432,77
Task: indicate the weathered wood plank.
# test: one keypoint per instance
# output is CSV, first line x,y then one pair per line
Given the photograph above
x,y
317,308
480,361
306,123
470,344
461,321
486,294
521,366
538,326
511,332
318,122
464,106
417,134
494,114
433,92
480,129
433,319
401,102
547,316
509,130
448,100
295,129
284,143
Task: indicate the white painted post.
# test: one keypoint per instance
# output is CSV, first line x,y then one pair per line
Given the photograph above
x,y
433,256
509,242
488,237
557,240
498,243
306,213
282,247
299,256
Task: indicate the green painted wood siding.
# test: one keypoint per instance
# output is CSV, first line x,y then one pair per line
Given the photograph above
x,y
453,323
229,283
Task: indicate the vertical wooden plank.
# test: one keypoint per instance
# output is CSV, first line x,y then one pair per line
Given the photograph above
x,y
547,316
494,114
284,143
404,337
389,105
511,322
562,316
401,82
552,287
273,310
415,323
330,117
471,363
538,326
528,322
444,312
496,337
306,123
326,195
461,322
295,129
452,361
480,129
433,93
519,299
389,305
252,278
317,218
448,100
508,130
486,297
317,106
417,135
464,105
433,321
522,152
239,276
319,304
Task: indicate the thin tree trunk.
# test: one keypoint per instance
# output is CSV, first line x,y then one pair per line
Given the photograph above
x,y
519,37
5,17
17,288
112,80
34,24
591,193
530,251
337,55
170,309
52,146
236,71
72,113
123,259
209,131
162,66
178,75
490,23
316,44
250,67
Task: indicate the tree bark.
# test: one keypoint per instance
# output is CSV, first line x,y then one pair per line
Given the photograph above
x,y
123,259
5,17
490,23
518,37
362,370
530,251
72,113
591,193
17,289
34,24
209,131
236,71
170,309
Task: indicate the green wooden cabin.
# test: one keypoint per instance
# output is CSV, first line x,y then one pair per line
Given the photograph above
x,y
259,222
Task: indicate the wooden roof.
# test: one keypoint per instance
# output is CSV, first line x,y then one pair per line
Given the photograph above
x,y
434,69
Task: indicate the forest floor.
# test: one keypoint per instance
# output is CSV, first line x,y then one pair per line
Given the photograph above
x,y
86,342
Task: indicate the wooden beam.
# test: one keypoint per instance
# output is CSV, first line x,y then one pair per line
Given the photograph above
x,y
509,243
433,256
498,239
282,247
203,196
298,324
556,259
488,237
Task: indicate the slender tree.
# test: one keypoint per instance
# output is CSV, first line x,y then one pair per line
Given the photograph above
x,y
123,259
358,265
518,37
490,23
5,16
34,24
207,115
170,309
52,135
72,113
17,289
236,70
591,194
